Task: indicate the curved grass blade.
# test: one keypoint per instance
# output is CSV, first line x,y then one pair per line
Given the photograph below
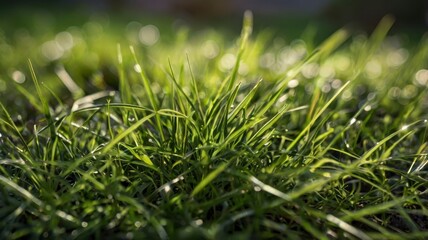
x,y
209,178
132,128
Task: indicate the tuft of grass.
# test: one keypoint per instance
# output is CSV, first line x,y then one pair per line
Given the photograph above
x,y
158,142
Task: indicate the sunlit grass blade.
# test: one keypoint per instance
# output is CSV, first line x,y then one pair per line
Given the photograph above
x,y
268,125
182,93
43,100
247,29
31,98
199,147
315,118
347,227
270,189
371,210
11,124
369,48
139,69
244,104
333,42
125,133
209,178
383,141
31,198
124,86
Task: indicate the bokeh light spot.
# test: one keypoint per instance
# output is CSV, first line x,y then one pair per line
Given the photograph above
x,y
18,77
397,57
65,40
52,50
149,35
373,69
310,70
293,83
422,77
210,49
227,62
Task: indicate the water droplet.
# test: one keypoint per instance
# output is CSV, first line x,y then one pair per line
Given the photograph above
x,y
84,224
283,98
137,224
199,222
368,108
405,127
293,83
257,188
326,174
353,120
137,68
167,188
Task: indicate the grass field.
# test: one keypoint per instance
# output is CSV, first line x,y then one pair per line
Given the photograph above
x,y
149,133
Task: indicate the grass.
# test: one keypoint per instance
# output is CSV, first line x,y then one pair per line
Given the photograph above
x,y
197,137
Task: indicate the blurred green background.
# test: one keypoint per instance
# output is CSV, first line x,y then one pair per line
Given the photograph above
x,y
81,36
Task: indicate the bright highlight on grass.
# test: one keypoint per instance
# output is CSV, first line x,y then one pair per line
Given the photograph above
x,y
202,138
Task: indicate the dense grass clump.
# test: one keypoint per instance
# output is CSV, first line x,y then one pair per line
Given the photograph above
x,y
201,138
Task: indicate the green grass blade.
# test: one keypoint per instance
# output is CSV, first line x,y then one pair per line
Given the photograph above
x,y
13,126
45,106
125,133
247,29
315,118
149,92
124,86
209,178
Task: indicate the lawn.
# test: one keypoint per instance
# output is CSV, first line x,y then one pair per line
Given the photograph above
x,y
142,131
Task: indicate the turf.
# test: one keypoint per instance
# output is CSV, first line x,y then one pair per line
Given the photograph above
x,y
199,137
